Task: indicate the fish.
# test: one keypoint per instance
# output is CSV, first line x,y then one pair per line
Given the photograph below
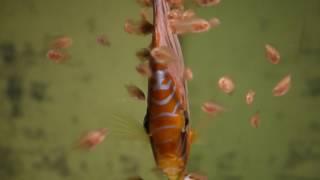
x,y
144,69
272,54
142,27
135,92
226,84
212,108
103,40
250,97
255,120
92,138
61,42
57,56
207,3
282,87
192,25
167,118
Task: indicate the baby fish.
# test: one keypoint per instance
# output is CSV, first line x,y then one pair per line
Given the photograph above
x,y
143,54
226,84
282,87
250,97
144,69
163,55
142,27
212,108
61,42
255,120
57,56
178,14
188,75
193,25
207,3
103,40
92,138
135,92
272,54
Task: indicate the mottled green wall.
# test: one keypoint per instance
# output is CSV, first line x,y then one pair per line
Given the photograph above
x,y
44,107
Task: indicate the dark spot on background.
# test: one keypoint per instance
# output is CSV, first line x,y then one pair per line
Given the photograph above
x,y
9,163
292,177
14,94
28,53
313,85
196,160
57,163
279,115
35,134
264,24
83,166
8,52
38,91
130,165
91,24
75,119
231,177
300,152
315,126
225,162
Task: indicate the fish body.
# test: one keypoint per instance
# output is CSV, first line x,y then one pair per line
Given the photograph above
x,y
167,118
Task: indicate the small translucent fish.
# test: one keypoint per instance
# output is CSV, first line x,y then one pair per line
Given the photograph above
x,y
144,69
142,27
255,120
188,75
212,108
144,3
214,22
272,54
163,55
250,97
103,40
178,14
195,176
92,138
57,56
143,54
61,42
207,2
226,84
193,25
282,87
135,92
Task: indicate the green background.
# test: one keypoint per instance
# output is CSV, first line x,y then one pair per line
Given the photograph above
x,y
45,107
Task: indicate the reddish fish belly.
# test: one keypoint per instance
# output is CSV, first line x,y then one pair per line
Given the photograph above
x,y
166,123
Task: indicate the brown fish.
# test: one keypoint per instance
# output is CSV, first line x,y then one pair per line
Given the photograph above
x,y
255,120
250,97
226,84
282,87
272,54
92,138
212,108
57,56
135,92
